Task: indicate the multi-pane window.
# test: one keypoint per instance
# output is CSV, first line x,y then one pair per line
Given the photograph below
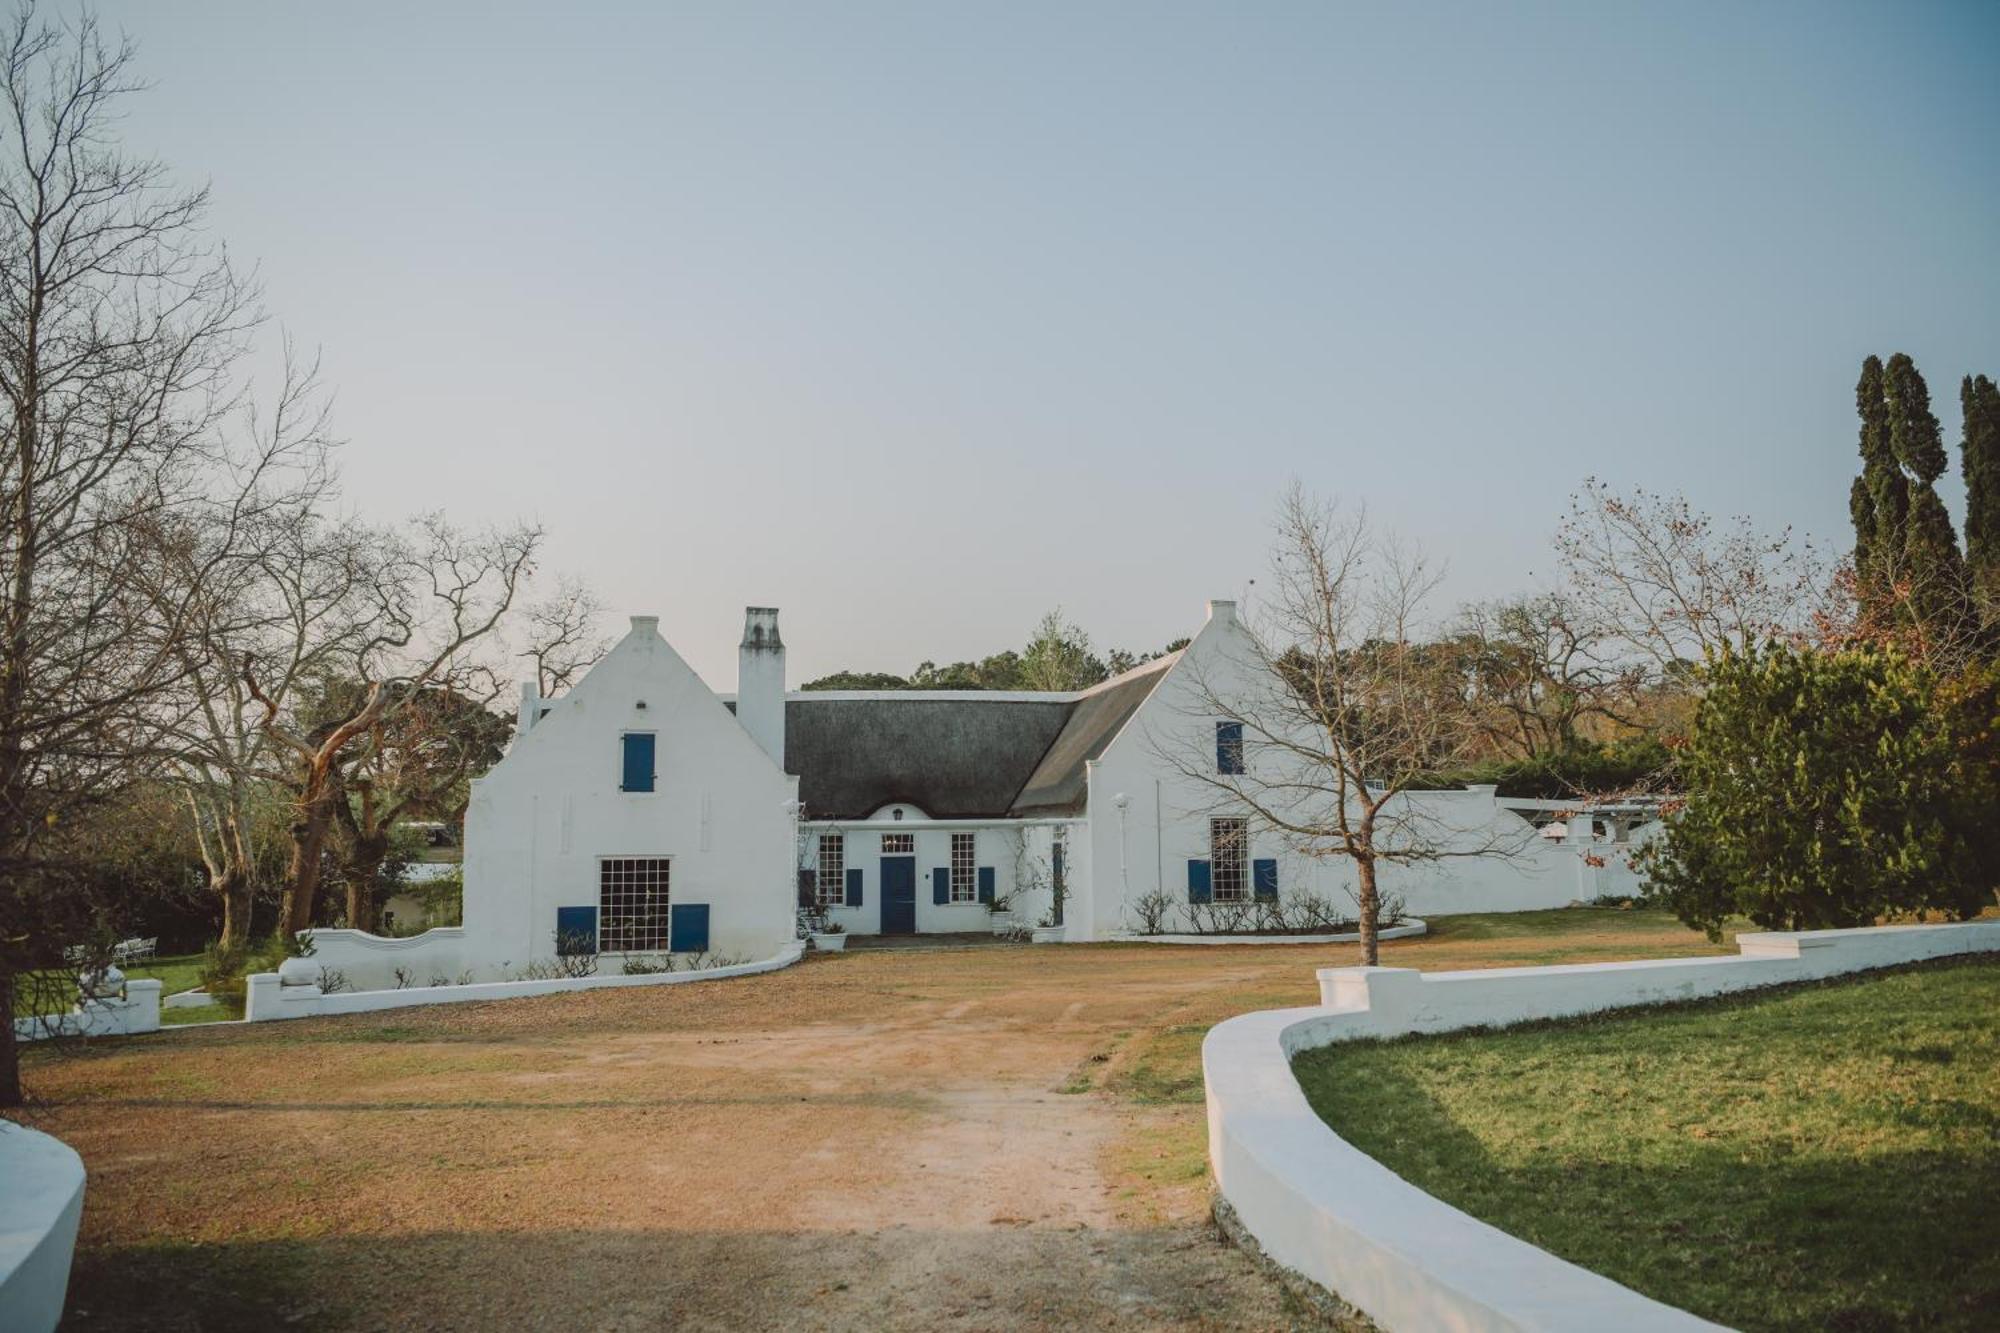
x,y
899,844
632,904
832,869
1229,747
1229,859
964,869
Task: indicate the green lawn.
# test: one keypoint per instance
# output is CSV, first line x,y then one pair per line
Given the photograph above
x,y
178,973
1825,1156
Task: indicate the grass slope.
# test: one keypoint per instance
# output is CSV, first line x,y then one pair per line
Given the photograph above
x,y
1821,1157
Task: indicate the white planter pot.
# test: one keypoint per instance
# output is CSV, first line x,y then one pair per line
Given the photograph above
x,y
1002,923
1049,934
830,943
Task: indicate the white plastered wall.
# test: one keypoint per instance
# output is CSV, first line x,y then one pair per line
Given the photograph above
x,y
1163,823
542,819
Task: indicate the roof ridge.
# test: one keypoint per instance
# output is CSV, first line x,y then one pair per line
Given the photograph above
x,y
1160,663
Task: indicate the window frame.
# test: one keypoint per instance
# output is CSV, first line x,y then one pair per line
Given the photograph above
x,y
830,884
905,844
1229,834
965,859
1229,749
635,913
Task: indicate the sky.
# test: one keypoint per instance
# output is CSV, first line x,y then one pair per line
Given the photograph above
x,y
917,320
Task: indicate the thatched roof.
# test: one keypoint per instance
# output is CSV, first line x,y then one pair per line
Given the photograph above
x,y
1057,786
955,754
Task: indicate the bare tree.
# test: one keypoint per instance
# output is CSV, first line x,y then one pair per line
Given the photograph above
x,y
438,598
415,761
1343,706
119,326
563,638
1667,584
1537,670
227,566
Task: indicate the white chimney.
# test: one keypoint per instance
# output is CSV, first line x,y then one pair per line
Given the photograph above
x,y
1221,610
760,680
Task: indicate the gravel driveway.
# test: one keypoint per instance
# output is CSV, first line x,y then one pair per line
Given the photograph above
x,y
982,1138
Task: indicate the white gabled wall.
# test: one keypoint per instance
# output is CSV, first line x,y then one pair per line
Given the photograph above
x,y
542,818
1164,822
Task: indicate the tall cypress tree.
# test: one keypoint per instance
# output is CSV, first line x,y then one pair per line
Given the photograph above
x,y
1930,572
1979,397
1879,502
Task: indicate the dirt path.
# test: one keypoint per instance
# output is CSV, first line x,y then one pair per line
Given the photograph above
x,y
977,1139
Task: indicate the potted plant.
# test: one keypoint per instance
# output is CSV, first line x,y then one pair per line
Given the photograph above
x,y
1000,915
823,932
1047,931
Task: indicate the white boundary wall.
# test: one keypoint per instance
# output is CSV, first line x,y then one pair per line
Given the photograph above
x,y
41,1202
1408,1261
138,1011
267,999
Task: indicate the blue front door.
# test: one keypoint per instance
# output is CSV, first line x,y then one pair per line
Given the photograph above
x,y
899,895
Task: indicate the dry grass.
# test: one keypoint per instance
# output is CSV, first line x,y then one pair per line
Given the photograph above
x,y
1004,1137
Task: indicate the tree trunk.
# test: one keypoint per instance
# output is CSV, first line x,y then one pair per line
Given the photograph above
x,y
233,887
1369,903
364,873
302,883
10,1049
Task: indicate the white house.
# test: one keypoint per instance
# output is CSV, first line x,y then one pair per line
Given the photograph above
x,y
642,814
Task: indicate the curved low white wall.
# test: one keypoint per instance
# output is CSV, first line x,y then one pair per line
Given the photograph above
x,y
1410,929
1409,1261
41,1202
267,999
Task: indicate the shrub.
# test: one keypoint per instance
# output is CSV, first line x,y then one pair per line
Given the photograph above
x,y
1153,910
642,966
1820,790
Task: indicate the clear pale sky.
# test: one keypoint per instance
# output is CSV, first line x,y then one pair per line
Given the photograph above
x,y
917,320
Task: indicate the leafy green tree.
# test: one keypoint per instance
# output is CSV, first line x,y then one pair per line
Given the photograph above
x,y
1911,585
1979,398
858,680
1820,790
1970,701
1880,500
1059,657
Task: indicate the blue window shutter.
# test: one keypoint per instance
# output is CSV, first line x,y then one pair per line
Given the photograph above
x,y
687,928
638,761
808,887
854,886
1229,747
940,886
1264,878
1197,881
576,930
986,884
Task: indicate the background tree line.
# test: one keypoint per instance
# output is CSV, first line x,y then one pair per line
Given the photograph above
x,y
1058,656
